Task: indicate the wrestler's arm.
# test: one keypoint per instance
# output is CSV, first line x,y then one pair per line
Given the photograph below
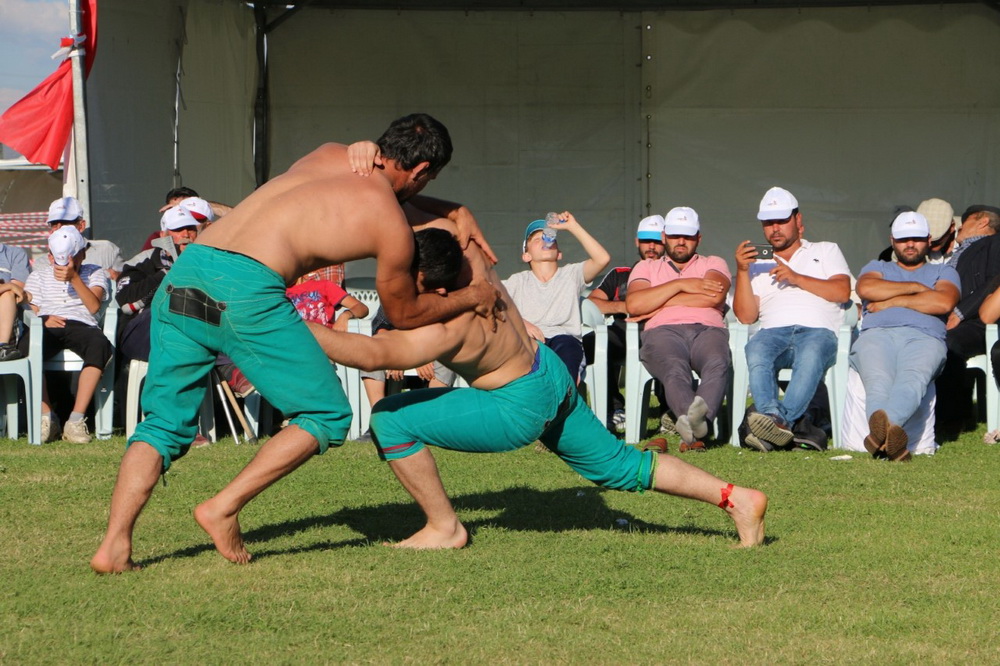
x,y
389,350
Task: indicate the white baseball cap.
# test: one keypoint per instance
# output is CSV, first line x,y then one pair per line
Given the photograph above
x,y
777,204
66,209
650,229
910,225
176,218
201,209
64,244
681,221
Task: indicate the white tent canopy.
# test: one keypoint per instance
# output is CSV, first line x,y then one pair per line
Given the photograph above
x,y
610,114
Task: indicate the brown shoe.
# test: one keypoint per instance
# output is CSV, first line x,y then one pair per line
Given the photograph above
x,y
895,444
693,446
878,429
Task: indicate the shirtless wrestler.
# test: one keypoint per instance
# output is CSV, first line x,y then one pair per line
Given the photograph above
x,y
520,391
226,293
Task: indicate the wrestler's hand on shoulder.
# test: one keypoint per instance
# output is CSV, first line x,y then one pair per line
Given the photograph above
x,y
364,156
468,230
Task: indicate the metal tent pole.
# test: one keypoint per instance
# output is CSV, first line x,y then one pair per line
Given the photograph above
x,y
80,154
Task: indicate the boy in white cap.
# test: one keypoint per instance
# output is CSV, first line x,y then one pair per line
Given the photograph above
x,y
105,254
548,295
609,297
902,343
683,297
798,304
67,294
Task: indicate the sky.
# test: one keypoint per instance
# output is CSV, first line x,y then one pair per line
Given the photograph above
x,y
30,31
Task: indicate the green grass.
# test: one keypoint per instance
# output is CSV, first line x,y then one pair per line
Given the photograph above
x,y
866,562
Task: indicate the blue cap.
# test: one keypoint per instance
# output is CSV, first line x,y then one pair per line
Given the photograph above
x,y
537,225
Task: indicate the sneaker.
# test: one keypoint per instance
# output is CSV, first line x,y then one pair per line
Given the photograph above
x,y
754,442
667,426
199,441
770,428
50,429
365,437
76,432
809,436
618,420
9,352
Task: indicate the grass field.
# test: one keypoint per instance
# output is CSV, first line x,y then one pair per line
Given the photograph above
x,y
865,562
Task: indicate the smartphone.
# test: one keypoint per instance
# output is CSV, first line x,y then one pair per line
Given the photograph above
x,y
765,251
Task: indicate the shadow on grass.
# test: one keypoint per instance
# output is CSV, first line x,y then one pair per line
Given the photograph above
x,y
520,509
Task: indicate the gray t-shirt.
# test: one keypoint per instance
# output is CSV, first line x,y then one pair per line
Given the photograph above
x,y
13,264
927,275
553,306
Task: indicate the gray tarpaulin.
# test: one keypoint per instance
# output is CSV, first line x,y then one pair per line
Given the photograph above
x,y
608,114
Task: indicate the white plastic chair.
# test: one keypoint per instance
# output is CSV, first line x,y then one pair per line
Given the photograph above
x,y
10,371
596,378
836,375
982,363
67,361
638,388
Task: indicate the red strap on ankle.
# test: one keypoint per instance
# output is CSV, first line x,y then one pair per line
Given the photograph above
x,y
726,492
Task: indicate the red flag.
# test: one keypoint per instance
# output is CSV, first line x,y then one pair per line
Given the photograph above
x,y
38,125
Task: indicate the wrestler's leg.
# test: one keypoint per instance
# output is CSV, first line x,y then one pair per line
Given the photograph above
x,y
304,387
219,516
137,475
459,419
418,474
745,506
586,446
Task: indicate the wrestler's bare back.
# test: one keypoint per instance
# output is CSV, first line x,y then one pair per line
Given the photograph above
x,y
491,352
315,214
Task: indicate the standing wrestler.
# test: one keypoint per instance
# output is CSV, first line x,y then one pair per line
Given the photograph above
x,y
520,391
226,293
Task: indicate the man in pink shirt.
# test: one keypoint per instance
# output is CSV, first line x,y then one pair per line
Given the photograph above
x,y
683,297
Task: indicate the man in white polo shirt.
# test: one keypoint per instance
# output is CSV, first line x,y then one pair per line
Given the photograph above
x,y
684,295
797,300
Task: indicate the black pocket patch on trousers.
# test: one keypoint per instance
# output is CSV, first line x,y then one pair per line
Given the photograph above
x,y
194,303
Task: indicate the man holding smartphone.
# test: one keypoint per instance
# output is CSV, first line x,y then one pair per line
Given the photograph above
x,y
797,300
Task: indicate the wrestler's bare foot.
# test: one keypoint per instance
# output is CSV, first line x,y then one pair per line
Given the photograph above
x,y
224,530
747,511
431,538
114,556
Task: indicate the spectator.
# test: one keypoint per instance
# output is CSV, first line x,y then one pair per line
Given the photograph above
x,y
105,254
976,257
902,343
142,276
609,297
67,294
14,270
205,212
318,300
548,295
797,300
683,299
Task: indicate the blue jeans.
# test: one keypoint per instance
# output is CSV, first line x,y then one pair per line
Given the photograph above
x,y
896,366
809,352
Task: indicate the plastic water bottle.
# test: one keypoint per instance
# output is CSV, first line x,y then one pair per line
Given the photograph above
x,y
548,233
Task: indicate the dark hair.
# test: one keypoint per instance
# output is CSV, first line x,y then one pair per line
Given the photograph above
x,y
437,254
180,193
416,138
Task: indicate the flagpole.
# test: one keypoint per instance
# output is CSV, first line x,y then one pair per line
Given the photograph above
x,y
80,154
